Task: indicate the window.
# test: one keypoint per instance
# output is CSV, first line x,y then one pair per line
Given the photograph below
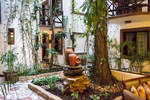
x,y
11,36
139,39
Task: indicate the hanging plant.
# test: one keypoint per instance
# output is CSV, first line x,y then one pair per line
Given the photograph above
x,y
61,34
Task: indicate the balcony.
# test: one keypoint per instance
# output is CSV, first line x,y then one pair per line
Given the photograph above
x,y
127,7
45,17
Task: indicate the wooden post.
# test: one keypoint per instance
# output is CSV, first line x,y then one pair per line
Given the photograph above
x,y
43,14
135,7
113,9
148,5
53,33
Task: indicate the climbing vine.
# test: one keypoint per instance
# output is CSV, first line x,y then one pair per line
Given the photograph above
x,y
26,12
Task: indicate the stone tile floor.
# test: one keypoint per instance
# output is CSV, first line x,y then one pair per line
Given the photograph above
x,y
22,92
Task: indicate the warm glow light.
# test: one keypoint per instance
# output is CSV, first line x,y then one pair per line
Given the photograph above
x,y
11,33
11,36
45,31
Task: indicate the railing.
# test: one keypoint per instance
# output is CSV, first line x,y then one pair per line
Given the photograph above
x,y
119,7
45,17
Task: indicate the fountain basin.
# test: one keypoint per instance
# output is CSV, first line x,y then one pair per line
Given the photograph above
x,y
77,70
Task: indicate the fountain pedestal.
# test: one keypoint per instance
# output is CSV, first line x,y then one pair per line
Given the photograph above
x,y
75,83
72,71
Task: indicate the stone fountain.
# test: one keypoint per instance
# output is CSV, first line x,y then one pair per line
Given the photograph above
x,y
74,78
72,67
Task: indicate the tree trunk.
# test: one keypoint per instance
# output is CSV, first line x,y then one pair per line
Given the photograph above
x,y
102,73
53,33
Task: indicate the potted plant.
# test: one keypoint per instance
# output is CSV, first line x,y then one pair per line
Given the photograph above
x,y
9,58
136,59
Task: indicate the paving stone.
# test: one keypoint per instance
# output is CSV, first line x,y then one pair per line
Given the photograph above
x,y
22,92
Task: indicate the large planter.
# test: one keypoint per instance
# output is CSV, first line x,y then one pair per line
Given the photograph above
x,y
72,59
67,52
10,76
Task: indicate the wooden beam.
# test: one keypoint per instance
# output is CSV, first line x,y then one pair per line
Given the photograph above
x,y
129,14
1,75
148,5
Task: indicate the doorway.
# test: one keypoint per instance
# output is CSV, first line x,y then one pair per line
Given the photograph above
x,y
45,41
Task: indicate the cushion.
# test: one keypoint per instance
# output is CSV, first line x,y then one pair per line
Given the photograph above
x,y
133,90
141,92
148,83
147,90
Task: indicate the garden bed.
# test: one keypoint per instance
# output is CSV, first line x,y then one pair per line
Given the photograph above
x,y
104,92
85,95
25,78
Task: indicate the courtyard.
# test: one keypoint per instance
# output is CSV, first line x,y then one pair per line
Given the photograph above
x,y
74,49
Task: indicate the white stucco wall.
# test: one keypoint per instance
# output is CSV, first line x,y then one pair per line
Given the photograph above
x,y
1,50
75,23
18,39
115,25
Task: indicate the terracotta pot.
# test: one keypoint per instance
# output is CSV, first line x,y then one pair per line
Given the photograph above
x,y
67,52
78,60
72,59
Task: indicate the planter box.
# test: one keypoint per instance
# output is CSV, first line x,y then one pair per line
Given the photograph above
x,y
122,76
40,91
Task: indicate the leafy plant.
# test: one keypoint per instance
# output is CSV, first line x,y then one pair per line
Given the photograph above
x,y
52,80
94,97
21,69
91,59
5,87
134,58
51,83
114,52
32,72
106,94
61,34
75,95
10,57
63,90
100,93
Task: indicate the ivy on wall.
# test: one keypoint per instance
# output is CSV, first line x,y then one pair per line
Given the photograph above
x,y
26,12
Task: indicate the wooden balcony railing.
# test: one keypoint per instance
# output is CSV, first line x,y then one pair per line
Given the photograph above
x,y
119,7
45,17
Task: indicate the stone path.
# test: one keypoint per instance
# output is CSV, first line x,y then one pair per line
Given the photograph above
x,y
22,92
